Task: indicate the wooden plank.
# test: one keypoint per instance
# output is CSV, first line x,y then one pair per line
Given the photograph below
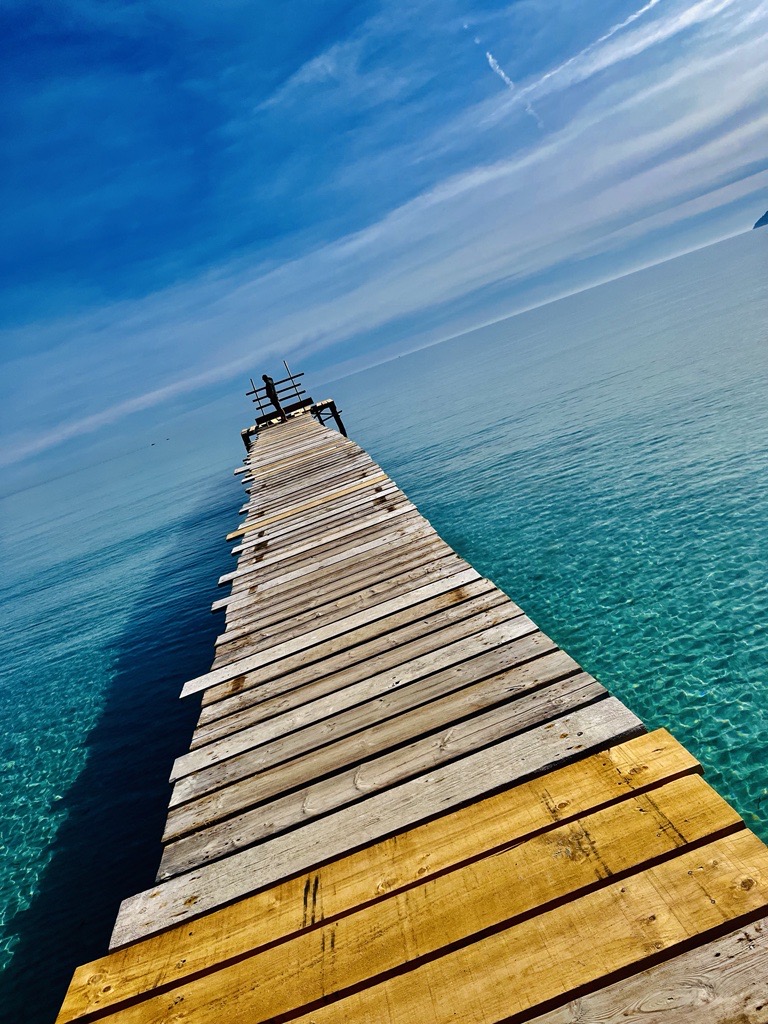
x,y
296,463
291,623
278,458
382,772
375,571
369,640
459,690
390,866
324,515
278,448
262,700
405,928
328,504
271,528
311,476
322,541
295,435
247,591
295,760
296,469
292,468
282,462
272,554
344,512
365,683
299,604
332,474
722,982
376,689
345,625
282,571
689,897
372,481
383,814
260,574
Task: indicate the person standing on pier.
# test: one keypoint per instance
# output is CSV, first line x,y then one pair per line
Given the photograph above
x,y
271,390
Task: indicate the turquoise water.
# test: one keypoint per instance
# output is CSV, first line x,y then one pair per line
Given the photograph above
x,y
603,460
106,593
600,458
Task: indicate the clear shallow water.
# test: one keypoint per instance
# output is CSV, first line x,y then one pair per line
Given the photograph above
x,y
601,458
106,592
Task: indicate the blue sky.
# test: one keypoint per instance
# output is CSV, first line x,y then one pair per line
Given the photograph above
x,y
194,191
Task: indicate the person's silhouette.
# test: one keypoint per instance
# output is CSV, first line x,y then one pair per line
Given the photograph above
x,y
271,390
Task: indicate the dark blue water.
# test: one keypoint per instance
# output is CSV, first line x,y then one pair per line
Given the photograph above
x,y
601,458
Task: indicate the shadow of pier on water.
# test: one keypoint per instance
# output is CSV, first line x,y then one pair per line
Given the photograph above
x,y
108,846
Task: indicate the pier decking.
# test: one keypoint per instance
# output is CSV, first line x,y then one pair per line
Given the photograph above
x,y
404,803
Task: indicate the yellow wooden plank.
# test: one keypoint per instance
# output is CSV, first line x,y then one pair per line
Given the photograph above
x,y
307,505
389,866
451,908
607,933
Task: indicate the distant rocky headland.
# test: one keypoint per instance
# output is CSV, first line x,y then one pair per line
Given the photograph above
x,y
763,222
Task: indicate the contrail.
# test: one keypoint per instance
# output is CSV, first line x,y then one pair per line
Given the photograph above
x,y
495,66
500,71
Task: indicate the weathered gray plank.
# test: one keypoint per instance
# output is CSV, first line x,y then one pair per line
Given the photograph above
x,y
338,578
320,542
314,505
308,448
495,643
295,465
341,510
396,539
338,652
383,814
381,772
275,552
344,625
266,500
329,583
314,508
293,760
265,472
296,435
722,982
282,573
286,472
258,637
344,512
329,586
289,689
293,468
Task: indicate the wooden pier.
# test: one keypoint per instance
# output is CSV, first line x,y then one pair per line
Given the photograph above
x,y
404,803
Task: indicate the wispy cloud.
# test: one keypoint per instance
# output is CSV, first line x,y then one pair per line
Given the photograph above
x,y
598,56
593,46
640,159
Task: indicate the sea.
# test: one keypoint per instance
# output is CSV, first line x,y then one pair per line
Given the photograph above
x,y
602,458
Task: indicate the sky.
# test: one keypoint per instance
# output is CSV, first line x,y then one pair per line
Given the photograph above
x,y
194,191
